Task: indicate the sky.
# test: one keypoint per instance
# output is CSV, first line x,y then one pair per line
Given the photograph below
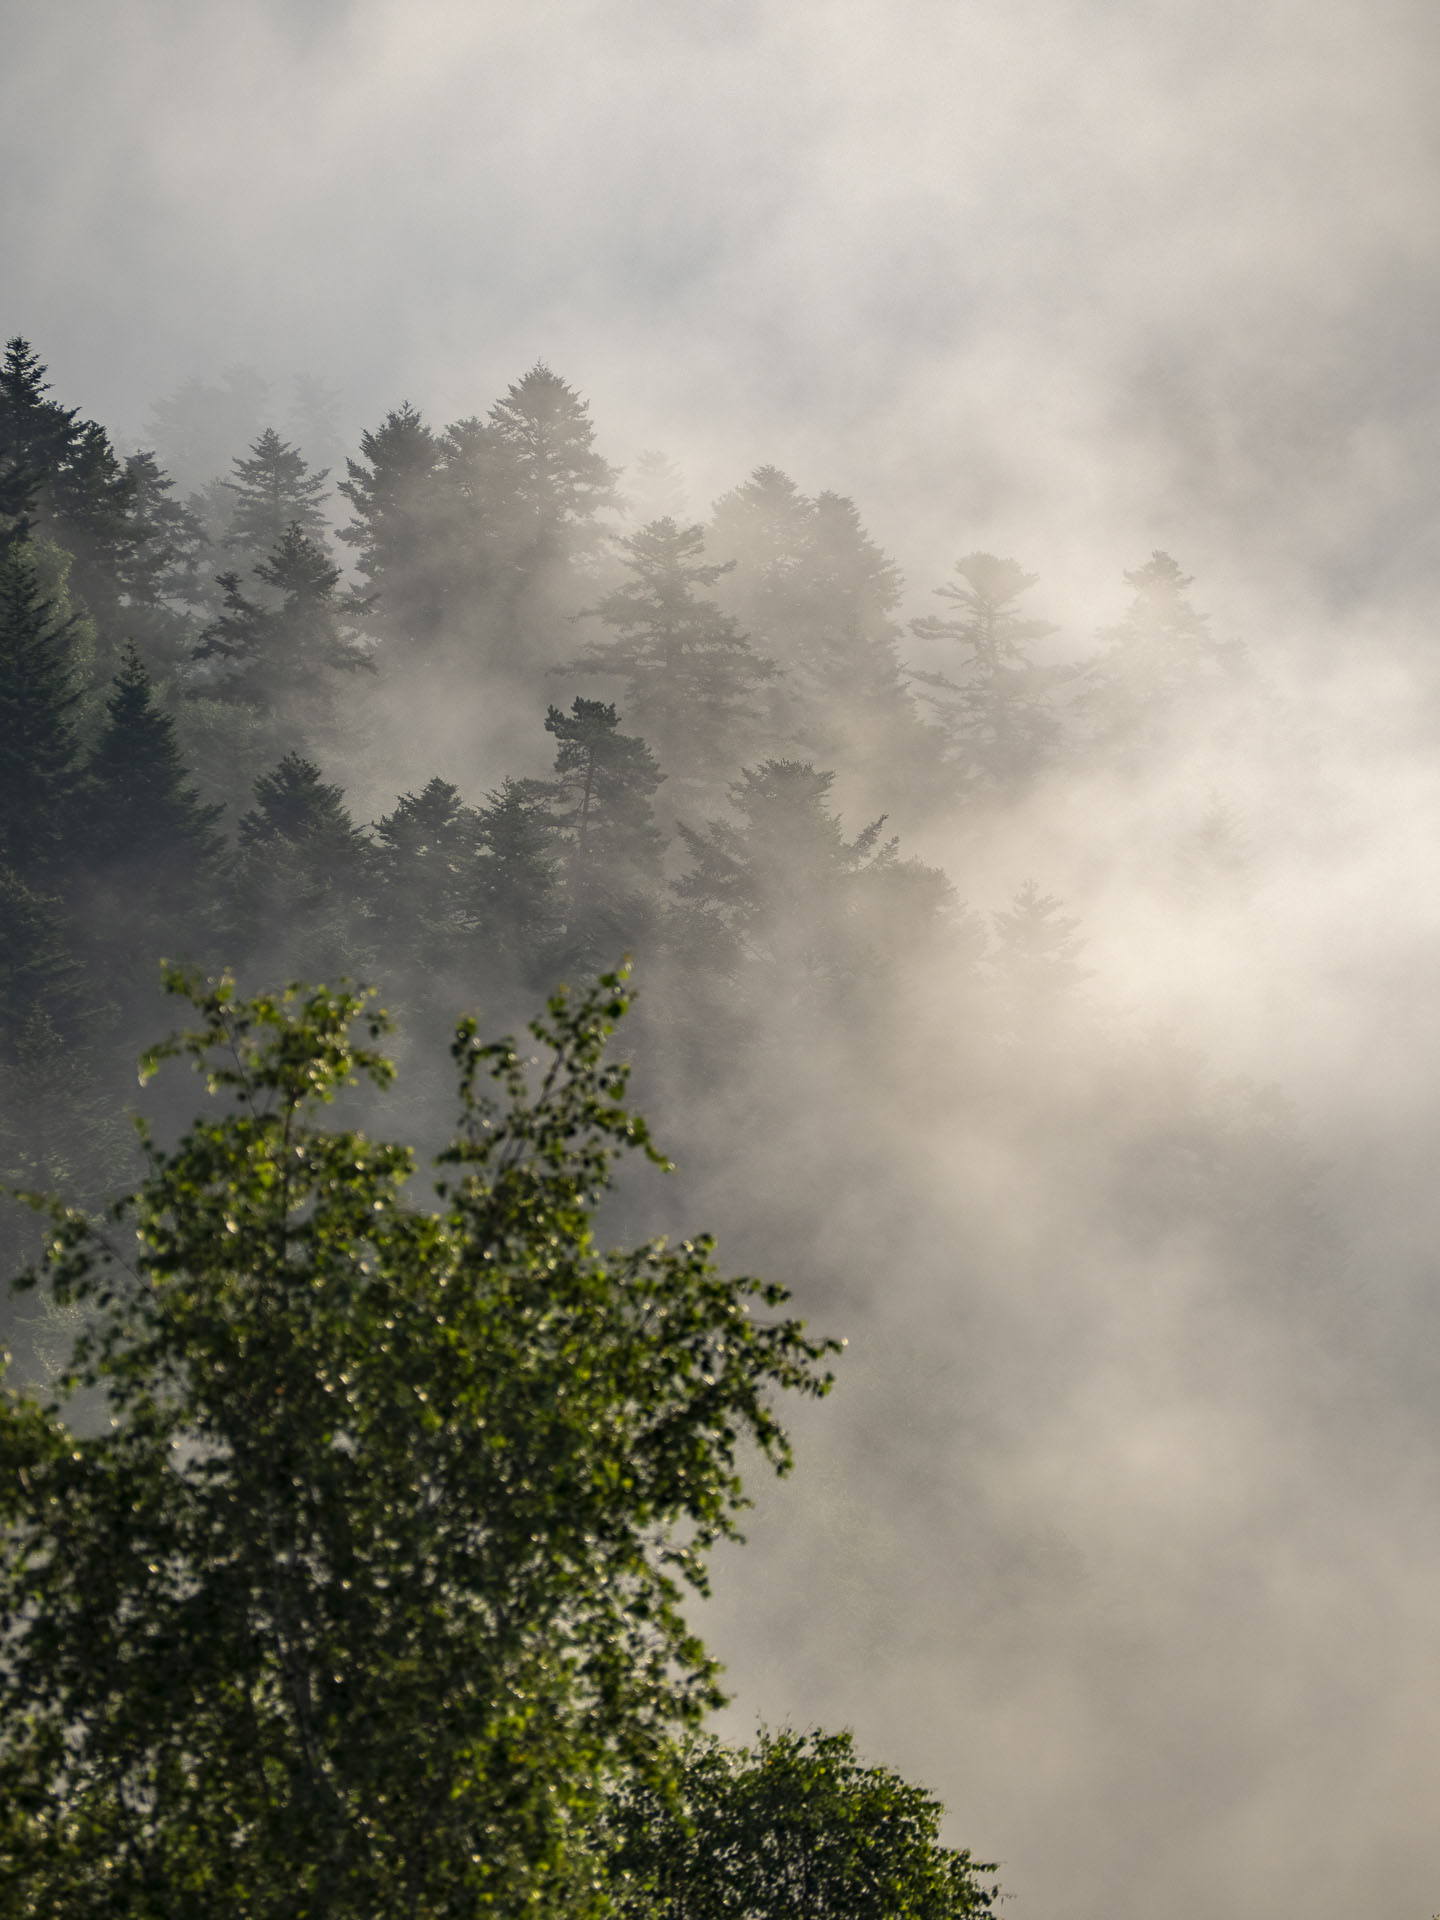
x,y
1064,279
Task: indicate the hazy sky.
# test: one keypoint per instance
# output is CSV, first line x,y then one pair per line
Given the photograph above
x,y
1077,277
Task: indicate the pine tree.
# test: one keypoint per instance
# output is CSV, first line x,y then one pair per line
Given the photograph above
x,y
40,775
144,812
39,975
1161,657
302,874
1035,961
691,675
399,533
997,707
274,491
78,493
520,904
274,655
556,482
604,786
818,596
426,876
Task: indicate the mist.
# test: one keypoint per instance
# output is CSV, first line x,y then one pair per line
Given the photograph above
x,y
1119,1529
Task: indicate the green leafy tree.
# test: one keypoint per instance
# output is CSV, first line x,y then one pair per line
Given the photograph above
x,y
369,1592
795,1828
691,675
997,706
274,490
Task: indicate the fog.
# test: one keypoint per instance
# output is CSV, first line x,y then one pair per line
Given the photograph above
x,y
1121,1529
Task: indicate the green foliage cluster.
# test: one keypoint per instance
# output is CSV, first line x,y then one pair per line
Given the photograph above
x,y
366,1597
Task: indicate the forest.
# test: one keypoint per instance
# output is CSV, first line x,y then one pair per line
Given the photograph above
x,y
466,712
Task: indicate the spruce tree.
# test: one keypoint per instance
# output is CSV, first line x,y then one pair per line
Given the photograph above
x,y
1159,659
144,813
40,775
818,596
425,874
398,533
518,892
604,787
556,481
274,490
274,655
997,706
691,675
302,875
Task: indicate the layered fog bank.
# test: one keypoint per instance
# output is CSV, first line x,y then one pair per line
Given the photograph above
x,y
1099,1110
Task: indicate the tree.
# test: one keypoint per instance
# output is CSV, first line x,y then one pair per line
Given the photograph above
x,y
521,910
302,872
275,655
426,872
40,775
690,673
556,482
794,1828
370,1590
779,892
1160,658
818,596
604,787
274,491
152,855
394,491
996,709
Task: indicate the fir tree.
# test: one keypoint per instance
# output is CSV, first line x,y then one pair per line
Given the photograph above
x,y
818,596
274,490
302,873
690,673
1161,657
273,654
556,482
40,776
996,707
425,868
144,813
519,877
39,975
780,896
604,786
398,532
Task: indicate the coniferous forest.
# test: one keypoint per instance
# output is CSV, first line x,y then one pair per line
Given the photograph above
x,y
465,712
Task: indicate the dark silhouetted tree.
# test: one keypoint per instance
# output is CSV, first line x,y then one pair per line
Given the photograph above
x,y
276,655
40,775
604,786
274,490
